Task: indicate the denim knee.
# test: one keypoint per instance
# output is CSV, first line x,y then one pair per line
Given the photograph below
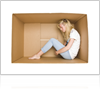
x,y
52,39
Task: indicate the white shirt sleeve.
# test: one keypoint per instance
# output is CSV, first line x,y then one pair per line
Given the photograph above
x,y
73,34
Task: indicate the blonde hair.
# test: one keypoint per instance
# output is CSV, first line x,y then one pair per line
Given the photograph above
x,y
68,27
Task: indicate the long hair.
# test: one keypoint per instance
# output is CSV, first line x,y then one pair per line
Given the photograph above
x,y
68,27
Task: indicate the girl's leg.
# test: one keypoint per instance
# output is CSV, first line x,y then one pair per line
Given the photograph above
x,y
57,45
36,56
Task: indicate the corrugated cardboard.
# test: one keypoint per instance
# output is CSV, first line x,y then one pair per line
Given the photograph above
x,y
30,32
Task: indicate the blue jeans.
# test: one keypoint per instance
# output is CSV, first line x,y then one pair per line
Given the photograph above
x,y
57,45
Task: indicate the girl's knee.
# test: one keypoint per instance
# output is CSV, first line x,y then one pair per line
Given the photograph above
x,y
52,39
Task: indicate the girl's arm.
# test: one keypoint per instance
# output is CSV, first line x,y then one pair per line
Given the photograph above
x,y
64,43
66,47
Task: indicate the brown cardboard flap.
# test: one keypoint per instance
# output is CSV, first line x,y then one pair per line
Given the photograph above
x,y
82,28
47,17
50,60
17,38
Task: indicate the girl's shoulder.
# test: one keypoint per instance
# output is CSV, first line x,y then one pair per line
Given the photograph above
x,y
74,31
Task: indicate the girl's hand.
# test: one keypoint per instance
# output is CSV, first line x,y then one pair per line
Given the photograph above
x,y
56,53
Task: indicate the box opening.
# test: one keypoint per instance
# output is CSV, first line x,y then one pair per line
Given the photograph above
x,y
31,31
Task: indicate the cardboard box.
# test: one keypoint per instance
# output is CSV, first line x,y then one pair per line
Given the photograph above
x,y
52,87
31,31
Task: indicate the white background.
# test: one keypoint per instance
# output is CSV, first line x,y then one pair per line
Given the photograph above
x,y
91,8
92,82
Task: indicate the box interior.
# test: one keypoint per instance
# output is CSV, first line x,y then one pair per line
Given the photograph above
x,y
30,32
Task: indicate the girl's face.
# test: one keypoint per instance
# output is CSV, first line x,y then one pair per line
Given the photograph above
x,y
62,28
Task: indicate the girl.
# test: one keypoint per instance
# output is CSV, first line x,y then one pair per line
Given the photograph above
x,y
71,42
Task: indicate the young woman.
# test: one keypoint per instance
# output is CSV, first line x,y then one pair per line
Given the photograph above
x,y
71,42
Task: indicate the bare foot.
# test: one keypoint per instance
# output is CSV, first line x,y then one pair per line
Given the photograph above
x,y
34,57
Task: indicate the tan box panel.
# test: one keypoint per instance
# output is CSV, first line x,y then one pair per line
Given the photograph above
x,y
82,28
17,38
48,17
50,60
31,38
49,31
